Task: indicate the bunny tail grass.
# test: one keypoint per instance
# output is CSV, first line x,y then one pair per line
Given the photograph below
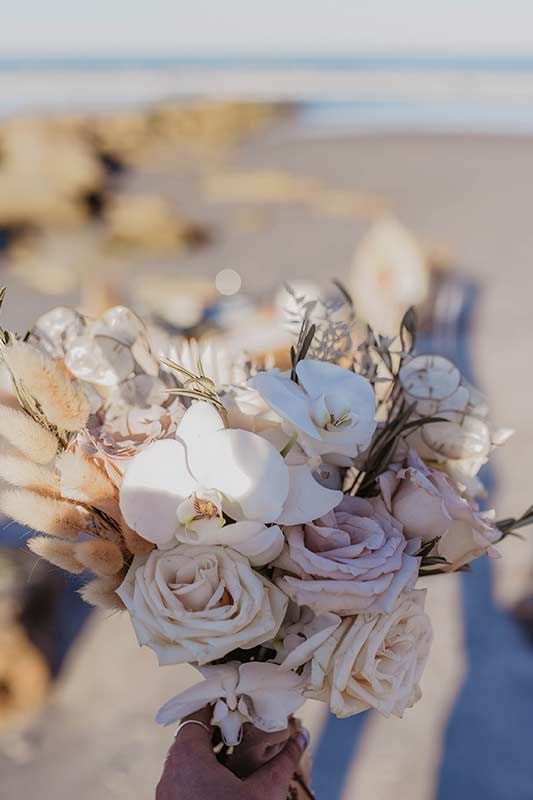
x,y
84,481
136,545
101,592
63,402
102,558
27,436
43,514
57,552
19,471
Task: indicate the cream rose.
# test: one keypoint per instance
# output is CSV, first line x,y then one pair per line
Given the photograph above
x,y
429,505
368,661
353,559
199,603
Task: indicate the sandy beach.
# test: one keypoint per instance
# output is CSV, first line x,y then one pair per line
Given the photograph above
x,y
467,195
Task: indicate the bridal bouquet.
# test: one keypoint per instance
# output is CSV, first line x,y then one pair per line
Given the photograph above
x,y
269,527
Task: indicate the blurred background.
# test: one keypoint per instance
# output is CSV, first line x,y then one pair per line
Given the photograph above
x,y
188,158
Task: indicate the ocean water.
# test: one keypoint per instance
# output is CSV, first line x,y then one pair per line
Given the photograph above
x,y
414,93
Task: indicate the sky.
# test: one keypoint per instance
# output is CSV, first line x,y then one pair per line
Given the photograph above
x,y
58,27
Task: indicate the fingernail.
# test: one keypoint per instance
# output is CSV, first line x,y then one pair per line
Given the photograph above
x,y
303,737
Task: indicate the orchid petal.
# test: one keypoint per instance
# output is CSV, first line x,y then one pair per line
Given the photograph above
x,y
248,471
156,481
286,398
189,701
307,499
199,423
319,376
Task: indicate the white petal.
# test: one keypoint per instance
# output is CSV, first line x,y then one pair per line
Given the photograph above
x,y
286,398
248,471
231,728
189,701
260,544
307,499
198,424
321,377
156,482
257,542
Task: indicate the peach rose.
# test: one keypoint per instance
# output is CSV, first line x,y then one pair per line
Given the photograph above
x,y
199,603
368,661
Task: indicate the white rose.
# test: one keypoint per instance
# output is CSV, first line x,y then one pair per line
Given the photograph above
x,y
369,661
330,409
197,604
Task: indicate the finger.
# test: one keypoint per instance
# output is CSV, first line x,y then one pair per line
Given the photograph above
x,y
272,780
256,749
193,738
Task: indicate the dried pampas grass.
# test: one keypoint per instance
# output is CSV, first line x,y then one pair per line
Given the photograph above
x,y
59,553
27,436
101,592
62,401
43,514
102,558
19,471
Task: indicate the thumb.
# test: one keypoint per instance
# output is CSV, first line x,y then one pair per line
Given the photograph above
x,y
272,780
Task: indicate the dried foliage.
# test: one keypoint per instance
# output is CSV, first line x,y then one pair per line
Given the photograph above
x,y
101,593
82,480
21,472
62,402
102,558
27,436
58,552
44,514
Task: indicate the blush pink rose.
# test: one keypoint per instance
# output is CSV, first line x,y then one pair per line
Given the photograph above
x,y
353,559
429,505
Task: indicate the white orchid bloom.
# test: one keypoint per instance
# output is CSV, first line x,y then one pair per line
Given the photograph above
x,y
259,693
185,487
331,409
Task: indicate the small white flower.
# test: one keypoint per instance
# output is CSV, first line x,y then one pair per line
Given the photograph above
x,y
259,693
331,409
